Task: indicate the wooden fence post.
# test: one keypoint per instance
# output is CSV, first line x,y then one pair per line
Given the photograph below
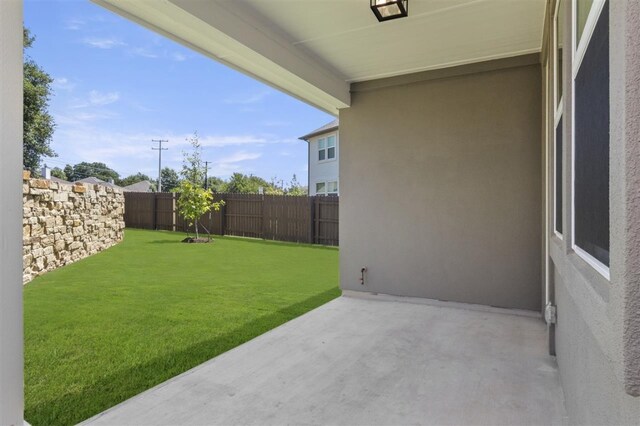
x,y
311,219
155,211
173,207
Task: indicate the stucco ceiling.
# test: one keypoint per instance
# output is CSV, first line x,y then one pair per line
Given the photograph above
x,y
438,33
314,49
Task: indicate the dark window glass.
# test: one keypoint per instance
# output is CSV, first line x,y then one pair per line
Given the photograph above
x,y
559,176
331,153
592,144
321,154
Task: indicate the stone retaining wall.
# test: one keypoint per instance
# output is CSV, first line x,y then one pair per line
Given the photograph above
x,y
63,223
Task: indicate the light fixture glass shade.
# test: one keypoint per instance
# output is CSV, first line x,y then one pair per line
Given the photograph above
x,y
390,9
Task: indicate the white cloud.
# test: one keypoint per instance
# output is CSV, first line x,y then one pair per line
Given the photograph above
x,y
238,157
100,99
63,83
276,123
250,99
74,24
143,52
178,57
233,140
78,118
103,43
96,99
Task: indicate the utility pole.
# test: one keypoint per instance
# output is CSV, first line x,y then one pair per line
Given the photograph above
x,y
206,174
159,149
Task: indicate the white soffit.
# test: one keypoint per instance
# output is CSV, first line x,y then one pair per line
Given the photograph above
x,y
313,49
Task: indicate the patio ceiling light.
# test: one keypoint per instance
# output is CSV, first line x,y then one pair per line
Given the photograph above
x,y
390,9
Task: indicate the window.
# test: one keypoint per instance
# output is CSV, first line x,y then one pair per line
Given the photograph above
x,y
327,188
558,172
582,13
331,147
558,178
327,148
591,138
332,188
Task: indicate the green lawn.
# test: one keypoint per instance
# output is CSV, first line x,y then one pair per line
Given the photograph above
x,y
108,327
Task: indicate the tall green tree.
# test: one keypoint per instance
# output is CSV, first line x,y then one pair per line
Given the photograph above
x,y
38,124
97,169
240,183
130,180
216,184
170,179
59,173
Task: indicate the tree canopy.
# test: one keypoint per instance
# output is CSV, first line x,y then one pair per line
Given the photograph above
x,y
170,179
85,170
130,180
38,124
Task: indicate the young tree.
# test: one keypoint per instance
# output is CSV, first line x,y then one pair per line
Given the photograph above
x,y
194,200
295,188
38,124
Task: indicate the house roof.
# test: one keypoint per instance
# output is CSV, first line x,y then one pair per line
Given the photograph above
x,y
142,186
95,181
329,127
315,49
58,180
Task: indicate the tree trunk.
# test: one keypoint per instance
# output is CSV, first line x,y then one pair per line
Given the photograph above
x,y
196,222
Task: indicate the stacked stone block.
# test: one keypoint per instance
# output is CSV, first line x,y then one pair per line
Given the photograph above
x,y
63,223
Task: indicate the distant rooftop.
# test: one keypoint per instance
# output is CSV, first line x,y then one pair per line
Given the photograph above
x,y
329,127
95,181
143,186
58,180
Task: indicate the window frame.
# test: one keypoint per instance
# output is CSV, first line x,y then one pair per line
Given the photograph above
x,y
578,52
325,188
558,111
325,140
332,192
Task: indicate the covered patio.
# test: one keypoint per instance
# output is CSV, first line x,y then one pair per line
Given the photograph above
x,y
369,360
489,155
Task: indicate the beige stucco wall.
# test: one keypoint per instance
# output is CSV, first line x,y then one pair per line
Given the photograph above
x,y
598,331
441,193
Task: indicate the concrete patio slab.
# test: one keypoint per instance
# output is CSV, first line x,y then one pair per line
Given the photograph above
x,y
358,361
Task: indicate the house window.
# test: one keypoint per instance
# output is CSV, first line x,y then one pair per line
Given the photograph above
x,y
331,147
558,110
558,175
321,188
582,14
327,148
332,188
322,149
591,139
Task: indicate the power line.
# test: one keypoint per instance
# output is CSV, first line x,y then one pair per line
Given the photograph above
x,y
160,149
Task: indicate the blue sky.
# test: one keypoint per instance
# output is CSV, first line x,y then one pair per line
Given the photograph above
x,y
118,85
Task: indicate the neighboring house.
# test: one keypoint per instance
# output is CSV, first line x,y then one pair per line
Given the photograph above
x,y
493,158
46,174
95,181
324,159
143,186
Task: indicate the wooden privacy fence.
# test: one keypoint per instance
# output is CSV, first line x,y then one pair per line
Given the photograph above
x,y
298,219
